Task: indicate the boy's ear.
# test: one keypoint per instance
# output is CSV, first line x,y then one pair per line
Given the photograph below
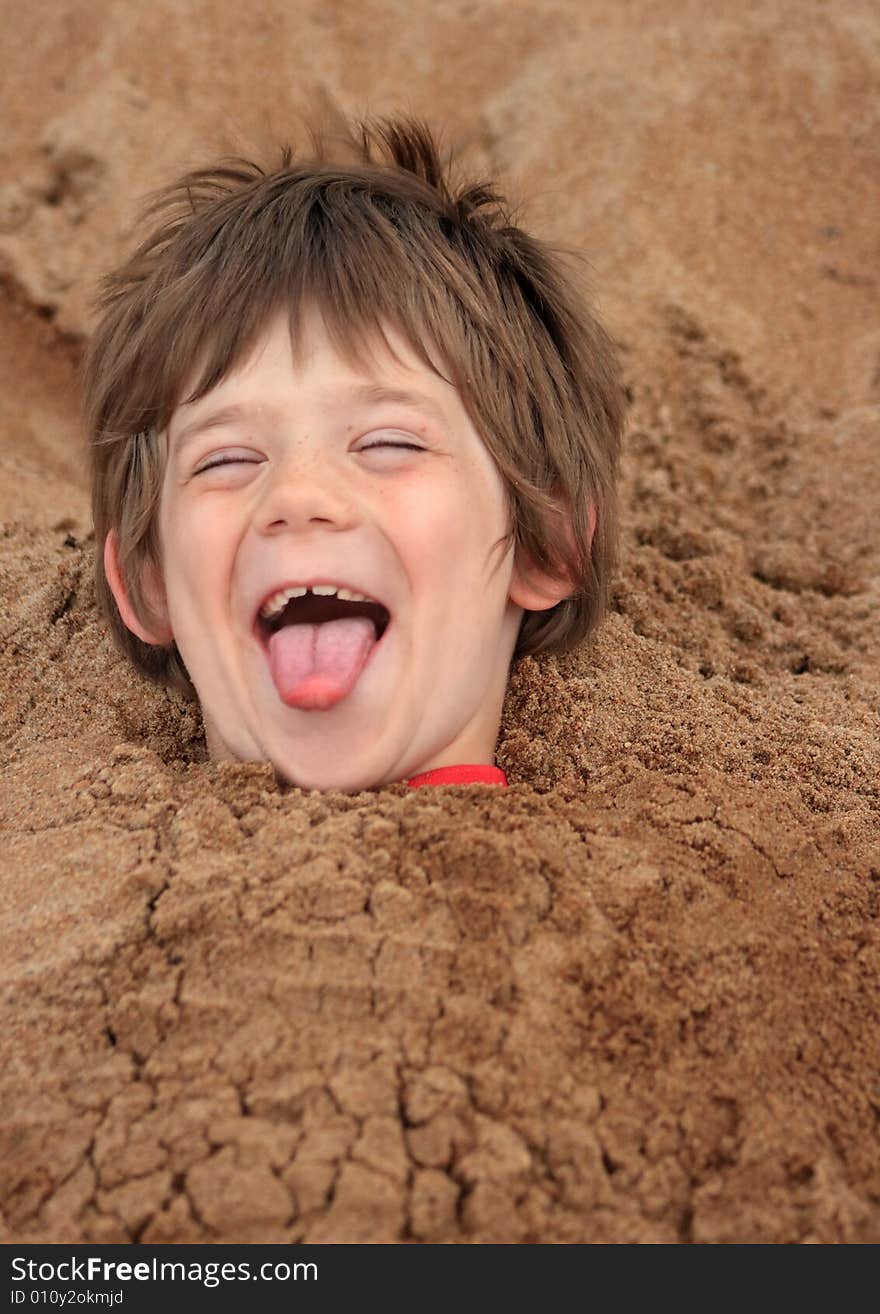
x,y
536,590
153,589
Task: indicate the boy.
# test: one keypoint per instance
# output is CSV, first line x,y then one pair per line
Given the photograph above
x,y
354,449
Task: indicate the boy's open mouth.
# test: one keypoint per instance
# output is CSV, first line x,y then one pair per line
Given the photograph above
x,y
318,646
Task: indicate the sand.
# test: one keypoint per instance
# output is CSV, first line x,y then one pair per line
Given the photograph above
x,y
634,997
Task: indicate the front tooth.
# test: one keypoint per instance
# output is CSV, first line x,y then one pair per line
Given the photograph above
x,y
347,595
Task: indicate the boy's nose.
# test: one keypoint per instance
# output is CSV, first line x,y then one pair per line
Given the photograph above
x,y
302,493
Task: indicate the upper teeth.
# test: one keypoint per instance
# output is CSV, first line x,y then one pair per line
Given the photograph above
x,y
278,601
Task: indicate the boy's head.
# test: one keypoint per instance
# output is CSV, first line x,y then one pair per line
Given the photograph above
x,y
347,372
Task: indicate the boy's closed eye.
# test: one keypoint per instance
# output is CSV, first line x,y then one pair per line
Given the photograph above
x,y
228,458
233,458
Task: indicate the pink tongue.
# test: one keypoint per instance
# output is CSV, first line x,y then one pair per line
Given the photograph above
x,y
315,666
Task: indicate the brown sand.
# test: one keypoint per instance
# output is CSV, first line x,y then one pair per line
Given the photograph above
x,y
635,996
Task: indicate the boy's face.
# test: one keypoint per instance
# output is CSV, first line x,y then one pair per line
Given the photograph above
x,y
307,492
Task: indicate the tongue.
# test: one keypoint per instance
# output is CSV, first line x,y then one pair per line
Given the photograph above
x,y
315,666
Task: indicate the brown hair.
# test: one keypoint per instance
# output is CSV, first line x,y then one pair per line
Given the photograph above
x,y
380,235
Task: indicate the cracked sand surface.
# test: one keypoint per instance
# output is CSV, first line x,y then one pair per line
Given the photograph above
x,y
634,997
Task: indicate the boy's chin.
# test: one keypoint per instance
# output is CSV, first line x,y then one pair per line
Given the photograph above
x,y
219,751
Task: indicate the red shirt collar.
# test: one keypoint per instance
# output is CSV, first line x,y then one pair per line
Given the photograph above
x,y
476,774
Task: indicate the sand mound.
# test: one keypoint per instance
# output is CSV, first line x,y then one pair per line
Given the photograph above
x,y
634,996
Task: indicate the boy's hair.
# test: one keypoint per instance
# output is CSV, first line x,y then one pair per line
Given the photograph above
x,y
374,231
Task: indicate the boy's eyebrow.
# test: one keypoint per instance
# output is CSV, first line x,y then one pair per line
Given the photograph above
x,y
379,394
368,394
